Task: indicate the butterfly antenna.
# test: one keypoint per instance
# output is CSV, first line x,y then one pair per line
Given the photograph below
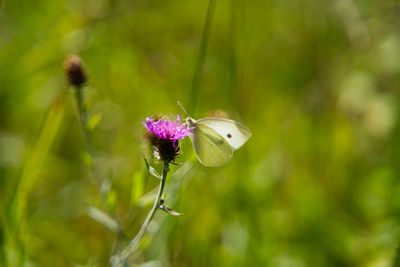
x,y
184,110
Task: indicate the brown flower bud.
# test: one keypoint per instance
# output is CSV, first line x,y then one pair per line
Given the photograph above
x,y
74,71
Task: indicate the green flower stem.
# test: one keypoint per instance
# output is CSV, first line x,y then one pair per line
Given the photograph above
x,y
133,245
102,183
83,118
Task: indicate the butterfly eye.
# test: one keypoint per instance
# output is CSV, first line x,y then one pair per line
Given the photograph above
x,y
229,135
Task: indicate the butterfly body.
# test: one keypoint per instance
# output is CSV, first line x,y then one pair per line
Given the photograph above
x,y
215,139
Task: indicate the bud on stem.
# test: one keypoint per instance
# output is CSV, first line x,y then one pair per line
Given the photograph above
x,y
74,71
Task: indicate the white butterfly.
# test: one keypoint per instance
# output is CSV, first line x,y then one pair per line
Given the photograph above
x,y
215,139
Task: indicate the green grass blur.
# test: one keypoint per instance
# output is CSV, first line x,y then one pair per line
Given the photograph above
x,y
317,82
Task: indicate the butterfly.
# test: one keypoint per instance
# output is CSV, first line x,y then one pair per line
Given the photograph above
x,y
215,139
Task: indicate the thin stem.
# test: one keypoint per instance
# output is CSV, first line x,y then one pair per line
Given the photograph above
x,y
201,57
88,141
103,184
83,119
133,245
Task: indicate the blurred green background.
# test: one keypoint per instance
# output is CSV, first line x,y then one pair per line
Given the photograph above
x,y
317,82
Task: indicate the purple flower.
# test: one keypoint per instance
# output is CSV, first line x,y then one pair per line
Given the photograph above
x,y
165,135
168,129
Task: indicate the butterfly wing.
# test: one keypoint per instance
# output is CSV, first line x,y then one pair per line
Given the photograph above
x,y
211,148
234,133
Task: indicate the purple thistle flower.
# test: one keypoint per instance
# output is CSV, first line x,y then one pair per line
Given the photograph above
x,y
166,135
168,129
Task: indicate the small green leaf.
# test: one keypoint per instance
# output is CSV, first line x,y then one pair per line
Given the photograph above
x,y
151,170
93,122
170,211
111,199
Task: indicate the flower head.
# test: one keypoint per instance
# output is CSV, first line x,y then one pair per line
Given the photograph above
x,y
74,70
168,129
167,134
